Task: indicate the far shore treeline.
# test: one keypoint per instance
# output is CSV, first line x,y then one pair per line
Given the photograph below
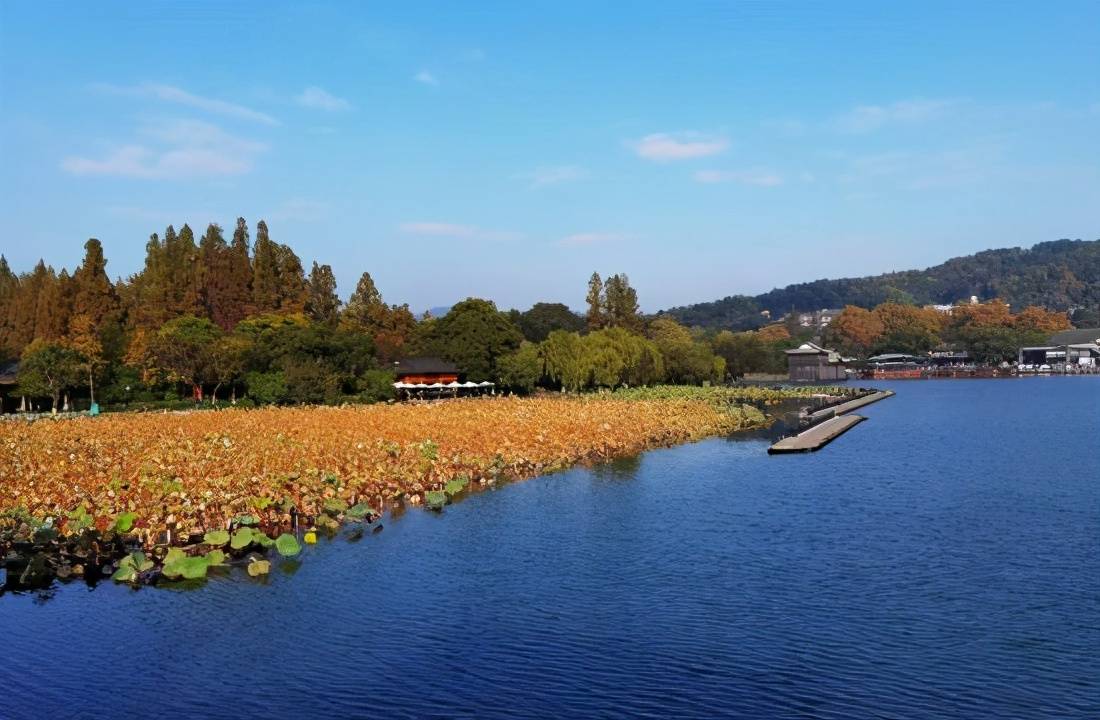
x,y
231,320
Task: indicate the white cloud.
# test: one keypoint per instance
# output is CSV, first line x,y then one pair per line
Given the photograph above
x,y
321,99
173,94
591,238
454,230
761,178
868,118
426,78
679,146
555,175
174,149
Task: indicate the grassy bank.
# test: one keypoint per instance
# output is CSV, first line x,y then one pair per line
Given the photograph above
x,y
159,479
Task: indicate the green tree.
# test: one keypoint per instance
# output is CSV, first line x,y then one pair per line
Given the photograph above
x,y
595,315
743,352
563,353
323,305
293,288
182,351
49,368
521,370
265,272
544,318
473,335
686,361
622,303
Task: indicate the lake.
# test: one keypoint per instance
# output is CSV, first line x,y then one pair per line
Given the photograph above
x,y
941,560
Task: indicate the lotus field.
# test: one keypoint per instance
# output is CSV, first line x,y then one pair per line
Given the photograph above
x,y
145,496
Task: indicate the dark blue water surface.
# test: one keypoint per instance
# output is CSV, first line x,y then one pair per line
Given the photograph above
x,y
940,560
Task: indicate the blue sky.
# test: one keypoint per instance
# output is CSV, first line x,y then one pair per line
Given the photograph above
x,y
507,150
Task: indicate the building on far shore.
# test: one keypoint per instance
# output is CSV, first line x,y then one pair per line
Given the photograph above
x,y
1068,350
813,363
431,377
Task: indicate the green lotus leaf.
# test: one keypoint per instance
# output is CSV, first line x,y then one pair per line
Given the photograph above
x,y
287,545
216,538
215,558
189,568
242,538
125,574
454,487
335,506
174,555
262,540
246,520
360,511
124,523
435,499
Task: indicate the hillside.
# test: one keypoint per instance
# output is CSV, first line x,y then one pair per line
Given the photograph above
x,y
1059,275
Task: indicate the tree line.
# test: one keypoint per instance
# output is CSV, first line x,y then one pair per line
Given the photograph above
x,y
1062,275
235,321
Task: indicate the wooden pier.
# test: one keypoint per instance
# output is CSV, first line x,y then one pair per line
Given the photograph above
x,y
824,432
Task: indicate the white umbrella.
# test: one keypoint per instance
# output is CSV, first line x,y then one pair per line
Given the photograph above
x,y
485,384
469,384
454,384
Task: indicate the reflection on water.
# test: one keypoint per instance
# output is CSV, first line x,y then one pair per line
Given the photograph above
x,y
938,561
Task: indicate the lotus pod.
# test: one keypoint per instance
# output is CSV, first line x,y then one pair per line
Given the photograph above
x,y
287,545
216,538
242,538
259,567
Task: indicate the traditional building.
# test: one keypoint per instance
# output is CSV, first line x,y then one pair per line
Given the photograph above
x,y
425,371
813,363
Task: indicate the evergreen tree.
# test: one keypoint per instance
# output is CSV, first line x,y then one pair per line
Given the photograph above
x,y
53,306
216,261
24,312
93,294
323,305
265,272
9,289
293,288
621,302
365,309
595,300
239,296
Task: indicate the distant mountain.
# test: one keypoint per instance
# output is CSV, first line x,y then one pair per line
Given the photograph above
x,y
1059,275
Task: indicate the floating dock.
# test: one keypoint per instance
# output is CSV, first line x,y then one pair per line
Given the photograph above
x,y
829,424
816,437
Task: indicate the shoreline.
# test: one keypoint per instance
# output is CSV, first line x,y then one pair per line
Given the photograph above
x,y
91,493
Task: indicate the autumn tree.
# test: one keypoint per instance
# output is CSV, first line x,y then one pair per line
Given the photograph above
x,y
855,330
1040,320
220,295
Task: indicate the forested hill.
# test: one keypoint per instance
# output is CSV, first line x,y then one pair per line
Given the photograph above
x,y
1059,275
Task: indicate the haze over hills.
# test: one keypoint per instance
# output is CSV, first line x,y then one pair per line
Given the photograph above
x,y
1060,275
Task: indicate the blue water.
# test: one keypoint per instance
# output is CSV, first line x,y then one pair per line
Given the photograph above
x,y
941,560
